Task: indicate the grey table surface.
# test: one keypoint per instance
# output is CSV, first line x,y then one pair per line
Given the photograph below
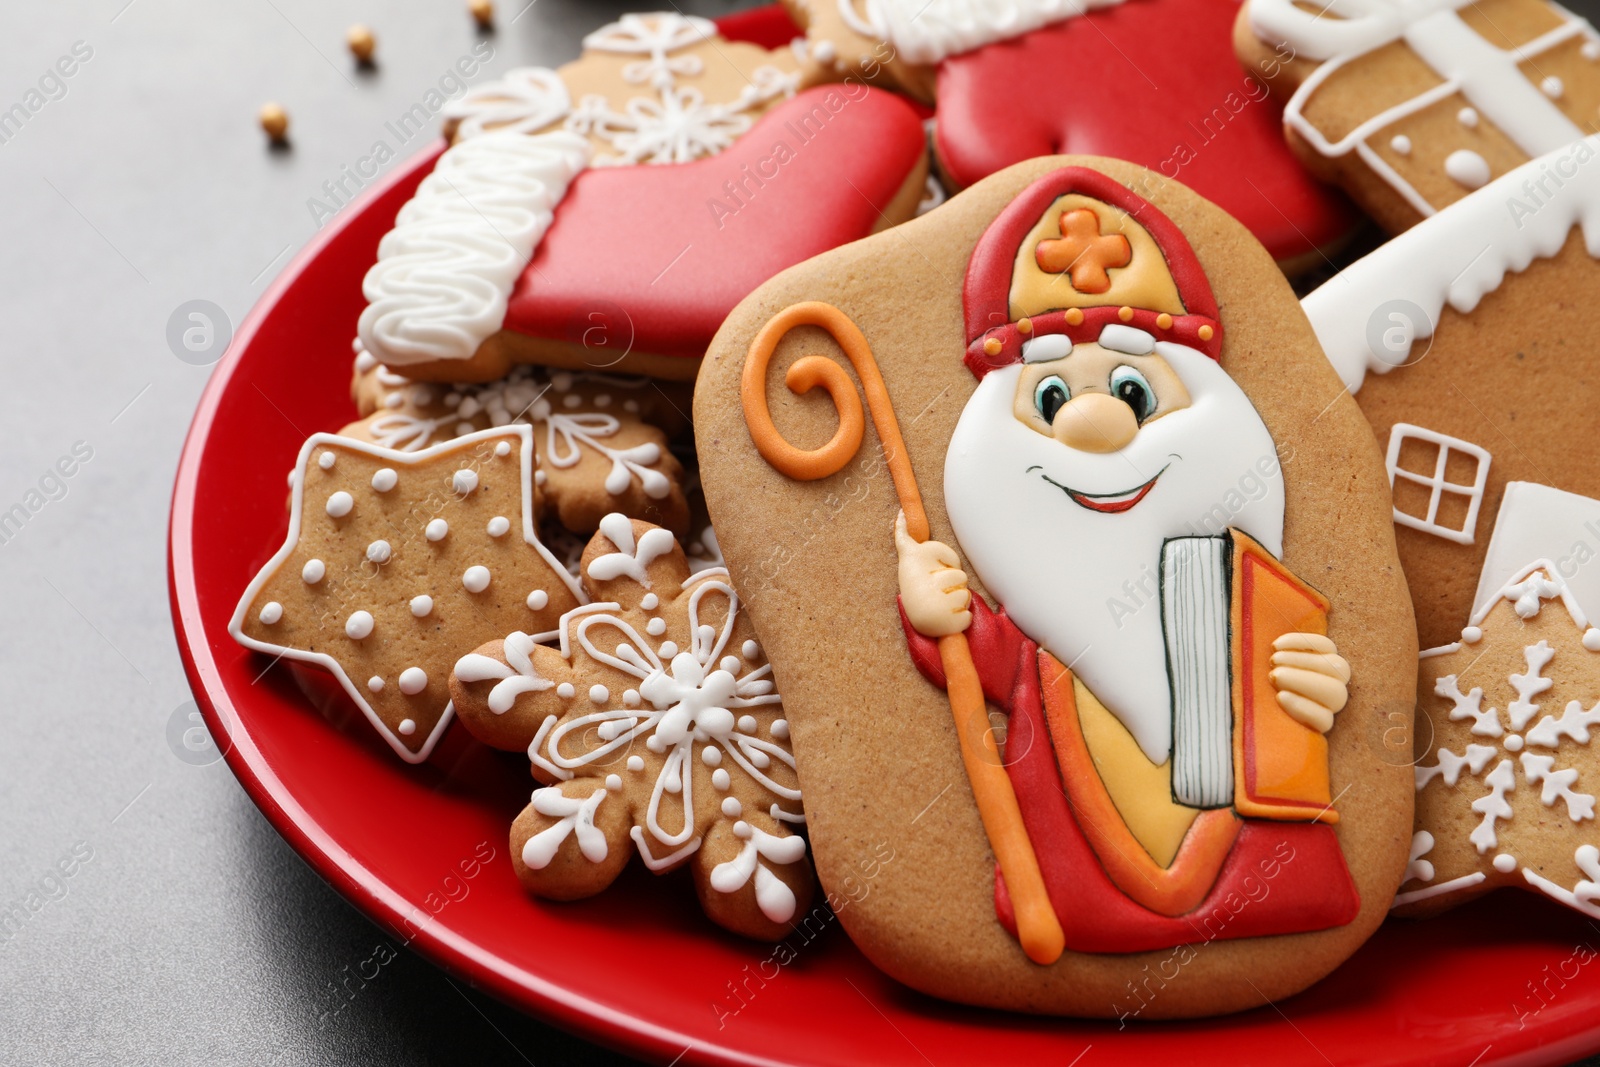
x,y
187,930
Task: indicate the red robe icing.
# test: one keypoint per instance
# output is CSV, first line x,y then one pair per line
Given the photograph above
x,y
1151,81
1279,877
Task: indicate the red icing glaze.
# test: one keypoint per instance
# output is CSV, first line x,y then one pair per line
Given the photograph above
x,y
652,258
1279,878
1139,81
769,26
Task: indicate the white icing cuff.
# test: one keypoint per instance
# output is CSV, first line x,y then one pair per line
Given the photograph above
x,y
446,271
927,31
1044,349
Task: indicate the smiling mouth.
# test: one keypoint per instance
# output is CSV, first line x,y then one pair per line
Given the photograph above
x,y
1108,503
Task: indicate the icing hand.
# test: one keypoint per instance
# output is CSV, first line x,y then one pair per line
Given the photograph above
x,y
1311,678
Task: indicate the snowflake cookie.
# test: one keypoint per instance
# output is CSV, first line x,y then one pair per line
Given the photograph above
x,y
1505,793
656,725
397,563
659,87
602,437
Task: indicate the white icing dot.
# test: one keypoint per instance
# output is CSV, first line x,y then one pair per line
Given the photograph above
x,y
340,503
603,400
1591,639
650,602
1468,117
436,529
572,401
731,807
413,680
503,449
747,724
327,460
635,763
313,572
780,729
385,480
741,829
379,552
271,612
656,627
476,579
707,633
758,759
1472,635
499,526
614,782
422,606
1591,50
720,779
452,399
539,478
358,625
750,650
1470,170
599,694
464,480
407,727
1513,743
1552,87
464,428
1401,144
668,649
711,755
365,361
1505,863
375,683
565,692
630,698
537,600
730,664
393,400
630,406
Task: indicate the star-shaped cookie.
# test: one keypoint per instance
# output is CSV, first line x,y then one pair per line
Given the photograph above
x,y
1506,791
397,563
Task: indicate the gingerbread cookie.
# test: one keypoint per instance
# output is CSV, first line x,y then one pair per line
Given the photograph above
x,y
1505,788
1410,107
1184,109
602,438
396,563
848,39
545,234
1452,337
656,726
1112,493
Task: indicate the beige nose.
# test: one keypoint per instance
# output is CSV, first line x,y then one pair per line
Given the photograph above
x,y
1095,422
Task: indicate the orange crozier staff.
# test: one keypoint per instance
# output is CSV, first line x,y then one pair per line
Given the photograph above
x,y
1038,929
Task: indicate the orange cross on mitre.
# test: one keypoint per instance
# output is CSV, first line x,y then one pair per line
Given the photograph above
x,y
1083,253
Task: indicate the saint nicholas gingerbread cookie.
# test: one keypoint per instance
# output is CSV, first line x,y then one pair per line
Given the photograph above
x,y
1088,608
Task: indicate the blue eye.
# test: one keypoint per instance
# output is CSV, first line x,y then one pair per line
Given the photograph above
x,y
1133,389
1050,396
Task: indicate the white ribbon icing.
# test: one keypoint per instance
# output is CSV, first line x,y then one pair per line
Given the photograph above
x,y
446,270
927,31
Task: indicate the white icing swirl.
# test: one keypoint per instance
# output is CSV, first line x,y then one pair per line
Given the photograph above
x,y
927,31
525,100
446,271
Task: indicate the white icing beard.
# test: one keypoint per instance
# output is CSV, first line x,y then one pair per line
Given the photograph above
x,y
1057,567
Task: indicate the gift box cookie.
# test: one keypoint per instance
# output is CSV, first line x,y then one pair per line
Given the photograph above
x,y
1410,107
1090,574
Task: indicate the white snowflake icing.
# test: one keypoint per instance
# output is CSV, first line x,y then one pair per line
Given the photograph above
x,y
685,705
677,125
1522,728
574,816
656,35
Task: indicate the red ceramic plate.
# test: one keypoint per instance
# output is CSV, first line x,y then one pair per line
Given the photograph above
x,y
1500,982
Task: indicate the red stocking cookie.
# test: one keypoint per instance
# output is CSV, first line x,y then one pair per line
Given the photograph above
x,y
396,563
657,725
609,214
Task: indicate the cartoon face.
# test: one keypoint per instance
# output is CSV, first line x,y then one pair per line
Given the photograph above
x,y
1094,398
